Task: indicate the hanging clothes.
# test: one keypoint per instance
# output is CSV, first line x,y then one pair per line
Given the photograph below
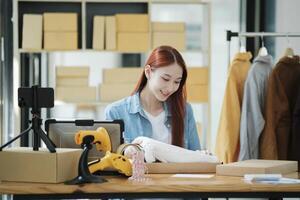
x,y
294,142
252,116
281,99
227,145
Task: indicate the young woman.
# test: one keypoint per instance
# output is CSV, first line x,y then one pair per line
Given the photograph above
x,y
157,108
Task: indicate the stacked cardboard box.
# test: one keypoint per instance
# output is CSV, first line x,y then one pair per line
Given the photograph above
x,y
98,32
72,85
197,84
168,33
118,83
132,32
32,32
60,31
110,33
104,33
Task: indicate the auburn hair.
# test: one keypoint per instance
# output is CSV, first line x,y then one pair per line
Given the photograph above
x,y
163,56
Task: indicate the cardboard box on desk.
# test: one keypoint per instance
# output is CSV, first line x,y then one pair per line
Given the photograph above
x,y
122,75
257,167
32,32
25,165
133,42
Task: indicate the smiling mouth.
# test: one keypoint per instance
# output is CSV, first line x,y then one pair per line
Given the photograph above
x,y
164,94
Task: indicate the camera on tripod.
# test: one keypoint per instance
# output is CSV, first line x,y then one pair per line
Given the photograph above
x,y
35,98
45,97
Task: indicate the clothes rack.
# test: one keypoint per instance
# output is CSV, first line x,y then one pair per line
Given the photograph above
x,y
230,34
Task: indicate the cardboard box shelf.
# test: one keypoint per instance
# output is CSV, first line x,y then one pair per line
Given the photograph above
x,y
76,94
197,75
133,42
122,75
132,22
72,72
168,26
98,32
60,40
113,92
72,81
32,32
60,22
174,39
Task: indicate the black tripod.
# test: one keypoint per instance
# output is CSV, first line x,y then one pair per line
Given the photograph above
x,y
29,97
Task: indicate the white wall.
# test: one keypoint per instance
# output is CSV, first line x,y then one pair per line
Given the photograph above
x,y
225,16
287,20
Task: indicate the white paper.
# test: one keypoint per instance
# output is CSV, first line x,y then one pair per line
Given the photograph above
x,y
193,175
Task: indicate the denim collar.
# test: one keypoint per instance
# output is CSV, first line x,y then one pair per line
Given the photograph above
x,y
136,106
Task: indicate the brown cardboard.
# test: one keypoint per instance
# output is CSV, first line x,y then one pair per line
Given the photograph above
x,y
174,39
73,72
60,40
122,75
132,23
98,32
73,81
197,75
32,32
172,168
25,165
133,42
60,22
197,93
76,94
113,92
257,167
110,33
168,26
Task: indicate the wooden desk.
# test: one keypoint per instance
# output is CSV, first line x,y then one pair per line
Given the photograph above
x,y
159,185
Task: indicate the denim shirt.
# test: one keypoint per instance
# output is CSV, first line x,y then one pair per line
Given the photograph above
x,y
137,124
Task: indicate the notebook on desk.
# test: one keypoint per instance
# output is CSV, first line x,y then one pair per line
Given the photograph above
x,y
62,133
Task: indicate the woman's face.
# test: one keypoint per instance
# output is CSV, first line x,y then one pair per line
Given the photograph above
x,y
164,81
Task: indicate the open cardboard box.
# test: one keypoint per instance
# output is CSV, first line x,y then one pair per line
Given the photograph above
x,y
25,165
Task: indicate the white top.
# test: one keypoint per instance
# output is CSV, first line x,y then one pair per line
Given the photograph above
x,y
159,130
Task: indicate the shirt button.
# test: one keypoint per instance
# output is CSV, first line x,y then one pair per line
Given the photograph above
x,y
168,125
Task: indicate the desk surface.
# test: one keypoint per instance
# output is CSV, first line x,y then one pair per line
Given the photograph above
x,y
156,183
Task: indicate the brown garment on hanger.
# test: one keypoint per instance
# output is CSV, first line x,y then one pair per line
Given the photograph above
x,y
294,143
281,99
227,144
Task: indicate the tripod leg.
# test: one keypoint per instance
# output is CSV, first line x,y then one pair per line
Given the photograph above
x,y
15,138
47,141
